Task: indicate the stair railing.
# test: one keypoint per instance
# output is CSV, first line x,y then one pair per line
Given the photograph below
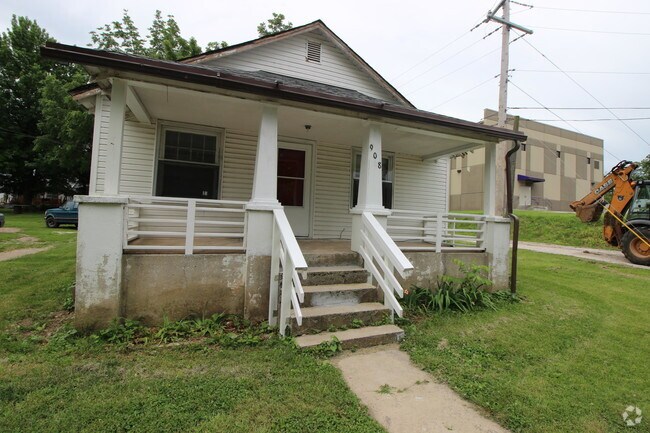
x,y
382,257
286,260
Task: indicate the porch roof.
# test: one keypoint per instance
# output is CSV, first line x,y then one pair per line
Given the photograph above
x,y
271,85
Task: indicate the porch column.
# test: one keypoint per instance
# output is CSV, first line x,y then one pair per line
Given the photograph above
x,y
370,188
115,134
259,214
489,181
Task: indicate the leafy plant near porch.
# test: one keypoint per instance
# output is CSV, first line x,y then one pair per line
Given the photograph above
x,y
466,293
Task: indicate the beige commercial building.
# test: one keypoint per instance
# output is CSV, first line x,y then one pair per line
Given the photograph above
x,y
553,168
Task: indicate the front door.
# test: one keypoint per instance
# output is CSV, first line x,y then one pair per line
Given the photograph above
x,y
294,185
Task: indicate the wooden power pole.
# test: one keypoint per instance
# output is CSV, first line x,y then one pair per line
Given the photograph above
x,y
495,185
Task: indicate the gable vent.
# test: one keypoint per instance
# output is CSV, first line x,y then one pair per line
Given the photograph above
x,y
313,51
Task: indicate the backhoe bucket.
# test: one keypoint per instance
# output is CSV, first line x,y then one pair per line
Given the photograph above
x,y
589,213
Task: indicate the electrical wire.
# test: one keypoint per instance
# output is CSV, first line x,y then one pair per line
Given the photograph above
x,y
591,120
591,10
587,92
580,108
591,31
583,72
466,91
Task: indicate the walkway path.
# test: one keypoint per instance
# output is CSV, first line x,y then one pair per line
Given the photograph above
x,y
608,256
14,254
404,399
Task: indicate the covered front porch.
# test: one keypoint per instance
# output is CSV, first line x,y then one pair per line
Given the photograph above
x,y
188,172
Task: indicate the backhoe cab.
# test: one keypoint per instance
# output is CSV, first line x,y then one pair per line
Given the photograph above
x,y
627,221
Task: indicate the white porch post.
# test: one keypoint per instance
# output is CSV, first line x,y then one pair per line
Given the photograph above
x,y
370,191
259,224
115,134
489,181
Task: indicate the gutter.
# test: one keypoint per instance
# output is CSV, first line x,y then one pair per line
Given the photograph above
x,y
514,218
205,76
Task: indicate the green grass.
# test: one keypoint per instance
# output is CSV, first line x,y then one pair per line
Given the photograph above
x,y
560,229
54,380
569,358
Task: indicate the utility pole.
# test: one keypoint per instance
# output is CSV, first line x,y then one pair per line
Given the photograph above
x,y
494,202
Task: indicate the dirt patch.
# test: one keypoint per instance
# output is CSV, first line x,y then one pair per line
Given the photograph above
x,y
14,254
9,230
28,239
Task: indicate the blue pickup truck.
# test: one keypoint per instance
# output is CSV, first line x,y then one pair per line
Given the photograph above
x,y
66,214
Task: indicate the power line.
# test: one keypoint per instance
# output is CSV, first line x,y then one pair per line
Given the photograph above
x,y
591,120
592,31
452,72
583,72
591,11
587,92
558,116
466,91
580,108
445,60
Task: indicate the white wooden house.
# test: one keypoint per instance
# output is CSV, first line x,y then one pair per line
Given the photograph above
x,y
231,180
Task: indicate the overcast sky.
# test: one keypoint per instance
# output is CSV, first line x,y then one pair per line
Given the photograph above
x,y
408,42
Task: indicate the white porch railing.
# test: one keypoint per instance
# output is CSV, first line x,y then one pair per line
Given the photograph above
x,y
184,225
287,256
381,258
438,232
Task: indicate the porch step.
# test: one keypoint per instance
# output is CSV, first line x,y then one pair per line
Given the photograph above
x,y
355,338
339,294
322,318
343,258
341,274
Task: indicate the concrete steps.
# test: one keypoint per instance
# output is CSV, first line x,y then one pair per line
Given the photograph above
x,y
339,274
337,316
339,294
355,338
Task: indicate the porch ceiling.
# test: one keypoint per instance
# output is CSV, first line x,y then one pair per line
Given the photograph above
x,y
209,109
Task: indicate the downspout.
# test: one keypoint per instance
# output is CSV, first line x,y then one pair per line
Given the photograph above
x,y
513,217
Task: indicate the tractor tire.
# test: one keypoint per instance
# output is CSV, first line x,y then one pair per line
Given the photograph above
x,y
634,249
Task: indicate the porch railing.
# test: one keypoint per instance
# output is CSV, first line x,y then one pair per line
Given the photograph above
x,y
286,260
184,225
428,231
381,258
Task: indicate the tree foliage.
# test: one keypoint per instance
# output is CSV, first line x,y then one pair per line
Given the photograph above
x,y
31,131
164,40
643,172
273,25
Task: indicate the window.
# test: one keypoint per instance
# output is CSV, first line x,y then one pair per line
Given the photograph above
x,y
596,165
188,163
387,162
291,177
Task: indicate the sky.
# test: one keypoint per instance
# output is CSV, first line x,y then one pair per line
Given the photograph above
x,y
591,56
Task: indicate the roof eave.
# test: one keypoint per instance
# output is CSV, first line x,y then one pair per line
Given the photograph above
x,y
183,72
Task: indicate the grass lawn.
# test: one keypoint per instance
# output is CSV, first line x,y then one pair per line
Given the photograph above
x,y
560,229
53,380
570,358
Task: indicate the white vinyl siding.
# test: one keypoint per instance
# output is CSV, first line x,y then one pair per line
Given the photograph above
x,y
288,57
238,165
420,185
137,163
100,171
332,219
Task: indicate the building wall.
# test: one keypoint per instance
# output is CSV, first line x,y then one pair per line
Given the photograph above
x,y
418,185
288,57
568,176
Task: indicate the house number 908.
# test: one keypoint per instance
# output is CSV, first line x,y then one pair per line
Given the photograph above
x,y
374,155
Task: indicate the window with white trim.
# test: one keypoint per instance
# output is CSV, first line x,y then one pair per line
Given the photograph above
x,y
188,163
387,176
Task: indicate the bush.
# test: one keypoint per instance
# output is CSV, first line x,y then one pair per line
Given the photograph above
x,y
467,293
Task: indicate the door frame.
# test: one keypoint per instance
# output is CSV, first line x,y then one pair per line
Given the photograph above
x,y
309,148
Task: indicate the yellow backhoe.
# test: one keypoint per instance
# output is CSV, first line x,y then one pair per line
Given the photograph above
x,y
627,221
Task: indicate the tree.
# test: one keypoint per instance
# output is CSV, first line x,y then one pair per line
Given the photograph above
x,y
28,138
164,40
643,172
273,25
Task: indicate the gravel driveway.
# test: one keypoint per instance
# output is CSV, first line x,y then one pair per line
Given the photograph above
x,y
608,256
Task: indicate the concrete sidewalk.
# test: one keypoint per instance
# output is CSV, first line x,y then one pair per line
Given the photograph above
x,y
404,399
612,256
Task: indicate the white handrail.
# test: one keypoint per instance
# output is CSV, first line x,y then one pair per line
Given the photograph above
x,y
382,258
169,218
285,255
439,230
